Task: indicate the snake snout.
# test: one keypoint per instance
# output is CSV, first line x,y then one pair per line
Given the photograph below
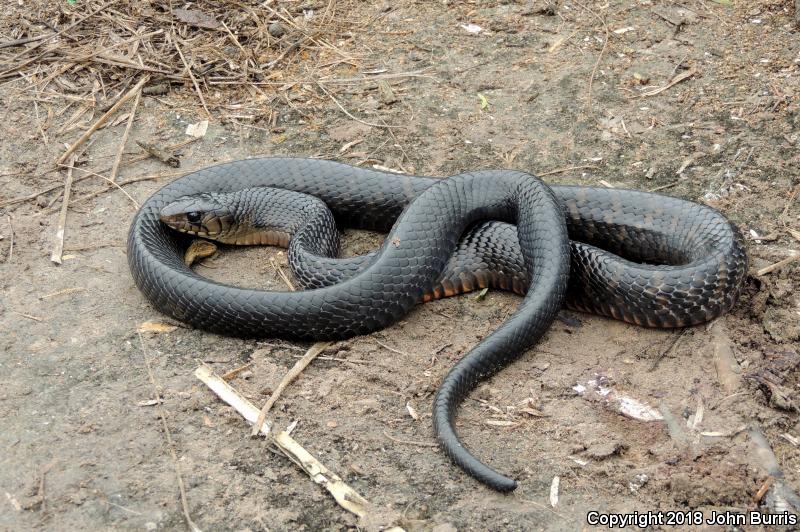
x,y
201,215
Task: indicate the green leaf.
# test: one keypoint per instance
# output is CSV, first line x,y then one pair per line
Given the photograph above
x,y
481,294
71,2
484,101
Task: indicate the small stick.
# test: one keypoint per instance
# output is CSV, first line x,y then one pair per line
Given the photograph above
x,y
345,496
409,442
162,155
11,246
58,249
345,111
136,159
29,316
291,375
664,187
728,371
194,80
763,490
565,169
228,394
677,79
44,38
103,119
111,182
118,184
337,359
393,350
63,292
118,159
184,502
778,265
234,372
668,350
282,274
599,57
793,195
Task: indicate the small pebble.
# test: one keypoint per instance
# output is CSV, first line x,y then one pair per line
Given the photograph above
x,y
276,29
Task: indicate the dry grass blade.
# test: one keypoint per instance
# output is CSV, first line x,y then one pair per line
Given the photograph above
x,y
102,120
58,248
291,375
168,436
194,80
121,150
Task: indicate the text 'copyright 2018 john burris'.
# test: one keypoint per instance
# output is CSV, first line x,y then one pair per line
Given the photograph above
x,y
689,518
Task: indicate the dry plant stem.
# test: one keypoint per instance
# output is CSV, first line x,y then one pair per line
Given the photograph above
x,y
392,349
778,265
121,150
91,174
728,371
291,375
234,372
58,247
410,442
599,57
56,34
194,80
345,111
566,169
11,238
672,345
111,183
102,120
282,274
345,496
227,393
677,79
184,502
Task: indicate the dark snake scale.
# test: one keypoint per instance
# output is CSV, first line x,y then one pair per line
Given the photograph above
x,y
640,257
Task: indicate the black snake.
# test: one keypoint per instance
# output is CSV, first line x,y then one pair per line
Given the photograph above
x,y
640,257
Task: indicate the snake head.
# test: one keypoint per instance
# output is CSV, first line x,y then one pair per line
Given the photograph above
x,y
202,215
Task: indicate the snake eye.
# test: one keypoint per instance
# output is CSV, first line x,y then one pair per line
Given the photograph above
x,y
193,217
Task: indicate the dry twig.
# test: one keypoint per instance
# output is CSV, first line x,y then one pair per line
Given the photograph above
x,y
184,501
599,57
11,238
194,80
58,247
778,265
121,150
102,120
291,375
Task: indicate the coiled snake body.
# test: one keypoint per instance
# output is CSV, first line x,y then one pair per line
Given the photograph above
x,y
683,263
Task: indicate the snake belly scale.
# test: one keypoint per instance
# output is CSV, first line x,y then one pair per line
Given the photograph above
x,y
664,262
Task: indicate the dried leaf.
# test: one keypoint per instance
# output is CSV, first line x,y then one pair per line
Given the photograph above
x,y
197,130
199,249
195,17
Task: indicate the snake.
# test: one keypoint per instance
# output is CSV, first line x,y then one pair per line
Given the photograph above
x,y
640,257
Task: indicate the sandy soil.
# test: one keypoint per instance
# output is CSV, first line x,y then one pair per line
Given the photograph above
x,y
539,89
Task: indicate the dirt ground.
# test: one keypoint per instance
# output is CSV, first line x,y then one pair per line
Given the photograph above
x,y
699,99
